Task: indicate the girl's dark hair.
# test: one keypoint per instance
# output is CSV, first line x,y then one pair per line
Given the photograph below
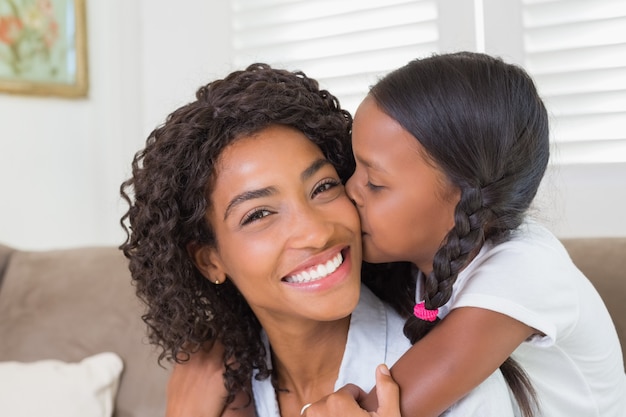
x,y
482,123
169,195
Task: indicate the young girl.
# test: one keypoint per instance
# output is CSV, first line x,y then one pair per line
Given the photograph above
x,y
239,230
450,151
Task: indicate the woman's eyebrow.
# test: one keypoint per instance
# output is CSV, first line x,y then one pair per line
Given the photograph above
x,y
313,168
248,195
268,191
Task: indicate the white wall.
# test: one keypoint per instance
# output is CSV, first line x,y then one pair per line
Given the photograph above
x,y
578,200
62,160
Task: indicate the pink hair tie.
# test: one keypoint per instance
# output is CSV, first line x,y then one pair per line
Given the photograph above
x,y
421,313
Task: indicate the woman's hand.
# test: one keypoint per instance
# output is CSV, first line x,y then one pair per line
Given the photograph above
x,y
191,382
196,388
345,402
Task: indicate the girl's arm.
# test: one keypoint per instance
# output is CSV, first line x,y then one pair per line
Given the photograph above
x,y
452,359
196,388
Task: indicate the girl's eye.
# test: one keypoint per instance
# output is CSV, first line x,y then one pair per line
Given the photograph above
x,y
254,215
373,187
325,185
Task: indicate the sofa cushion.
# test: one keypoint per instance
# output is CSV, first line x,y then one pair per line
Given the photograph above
x,y
73,303
54,388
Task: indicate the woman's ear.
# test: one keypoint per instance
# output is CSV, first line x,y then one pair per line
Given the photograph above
x,y
208,262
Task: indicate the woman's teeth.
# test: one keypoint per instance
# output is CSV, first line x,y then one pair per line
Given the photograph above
x,y
317,272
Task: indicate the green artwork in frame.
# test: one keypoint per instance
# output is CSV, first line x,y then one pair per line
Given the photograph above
x,y
43,47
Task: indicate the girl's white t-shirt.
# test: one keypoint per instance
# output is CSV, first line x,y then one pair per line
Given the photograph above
x,y
575,360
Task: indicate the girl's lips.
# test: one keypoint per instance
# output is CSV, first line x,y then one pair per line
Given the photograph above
x,y
323,275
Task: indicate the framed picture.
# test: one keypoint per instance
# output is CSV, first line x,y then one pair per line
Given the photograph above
x,y
43,47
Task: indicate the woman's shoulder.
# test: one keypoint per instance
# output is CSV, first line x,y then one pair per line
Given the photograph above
x,y
378,318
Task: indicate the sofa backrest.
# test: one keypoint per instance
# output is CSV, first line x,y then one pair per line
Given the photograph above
x,y
5,254
603,261
73,303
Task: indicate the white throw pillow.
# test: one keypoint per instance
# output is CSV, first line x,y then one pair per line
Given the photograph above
x,y
53,388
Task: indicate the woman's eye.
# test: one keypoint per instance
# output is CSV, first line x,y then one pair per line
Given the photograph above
x,y
325,186
255,215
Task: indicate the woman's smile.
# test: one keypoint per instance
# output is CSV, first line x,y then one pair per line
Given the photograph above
x,y
324,275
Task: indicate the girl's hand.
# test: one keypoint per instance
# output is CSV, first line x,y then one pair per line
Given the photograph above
x,y
345,402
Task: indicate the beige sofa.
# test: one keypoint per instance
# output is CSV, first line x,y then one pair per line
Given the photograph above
x,y
72,303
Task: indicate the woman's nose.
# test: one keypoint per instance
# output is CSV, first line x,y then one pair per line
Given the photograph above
x,y
311,229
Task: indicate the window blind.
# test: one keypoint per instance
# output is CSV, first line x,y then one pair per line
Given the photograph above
x,y
345,44
574,49
576,52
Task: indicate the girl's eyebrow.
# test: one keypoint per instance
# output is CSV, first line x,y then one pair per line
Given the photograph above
x,y
268,191
370,164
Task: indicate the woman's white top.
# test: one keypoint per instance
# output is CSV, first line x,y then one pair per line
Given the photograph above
x,y
376,337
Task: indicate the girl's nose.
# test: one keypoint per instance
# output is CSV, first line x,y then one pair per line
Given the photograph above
x,y
351,190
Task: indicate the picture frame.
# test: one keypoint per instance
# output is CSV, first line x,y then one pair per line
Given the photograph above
x,y
43,48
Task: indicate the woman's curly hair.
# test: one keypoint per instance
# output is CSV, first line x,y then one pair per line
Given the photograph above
x,y
169,194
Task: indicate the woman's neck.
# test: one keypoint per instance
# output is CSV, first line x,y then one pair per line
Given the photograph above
x,y
306,362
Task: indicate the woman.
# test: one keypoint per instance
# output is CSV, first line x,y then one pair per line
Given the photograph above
x,y
239,230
